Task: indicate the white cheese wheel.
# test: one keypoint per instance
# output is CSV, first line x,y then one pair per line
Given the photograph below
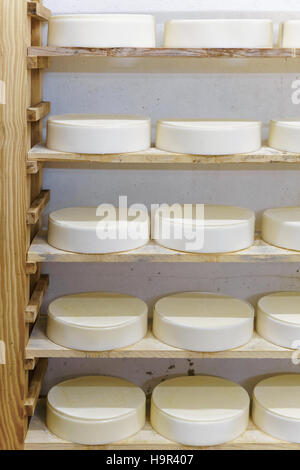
x,y
285,135
199,410
200,321
95,410
219,33
276,407
98,134
290,34
278,318
108,30
212,229
81,230
281,227
97,321
200,137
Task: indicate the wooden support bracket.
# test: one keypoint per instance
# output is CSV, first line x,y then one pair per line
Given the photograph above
x,y
33,167
38,62
38,205
30,364
38,11
35,387
33,308
31,268
38,112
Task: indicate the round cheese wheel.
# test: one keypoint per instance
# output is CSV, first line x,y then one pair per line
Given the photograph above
x,y
278,318
98,134
276,406
290,34
97,321
108,30
199,137
219,33
281,227
199,410
95,410
204,228
81,230
200,321
285,135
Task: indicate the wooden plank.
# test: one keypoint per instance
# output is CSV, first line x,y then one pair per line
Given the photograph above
x,y
155,156
30,364
33,167
39,111
31,268
35,387
14,290
38,63
40,438
37,207
38,11
33,308
150,347
211,53
40,251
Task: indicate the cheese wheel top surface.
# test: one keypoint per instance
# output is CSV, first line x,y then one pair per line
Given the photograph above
x,y
287,122
200,398
97,309
88,218
282,306
104,16
207,214
96,398
280,395
205,309
206,125
99,120
286,215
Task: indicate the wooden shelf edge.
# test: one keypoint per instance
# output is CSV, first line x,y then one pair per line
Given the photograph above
x,y
35,387
40,438
150,347
37,207
37,11
39,111
33,308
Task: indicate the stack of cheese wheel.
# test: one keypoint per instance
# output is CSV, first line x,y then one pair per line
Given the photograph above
x,y
98,230
108,30
95,410
200,137
281,227
199,410
219,33
199,321
98,134
285,135
278,318
290,34
97,321
199,228
276,407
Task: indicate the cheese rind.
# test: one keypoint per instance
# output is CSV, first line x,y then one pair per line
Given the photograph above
x,y
199,321
219,33
289,34
285,135
98,134
97,321
102,30
276,407
200,137
204,228
95,410
199,410
278,318
281,227
81,230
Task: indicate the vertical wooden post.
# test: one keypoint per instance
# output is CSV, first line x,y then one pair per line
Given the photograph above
x,y
14,283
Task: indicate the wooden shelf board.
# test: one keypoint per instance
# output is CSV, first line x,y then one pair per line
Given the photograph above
x,y
39,346
155,156
211,53
41,251
39,438
37,11
39,111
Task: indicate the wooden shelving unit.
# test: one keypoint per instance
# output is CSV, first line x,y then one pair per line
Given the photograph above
x,y
24,247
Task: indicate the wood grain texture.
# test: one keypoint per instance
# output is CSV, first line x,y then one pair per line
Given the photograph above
x,y
155,156
33,308
13,196
37,207
41,251
35,387
33,167
38,11
40,438
164,52
38,63
150,347
39,111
